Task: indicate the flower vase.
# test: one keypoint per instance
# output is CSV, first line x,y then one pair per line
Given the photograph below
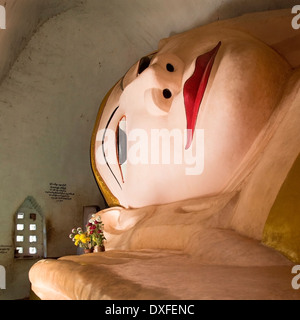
x,y
88,250
99,248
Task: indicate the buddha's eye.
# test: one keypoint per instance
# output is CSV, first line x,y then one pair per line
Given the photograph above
x,y
144,64
122,146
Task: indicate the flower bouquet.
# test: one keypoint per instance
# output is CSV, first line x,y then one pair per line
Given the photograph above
x,y
95,233
81,239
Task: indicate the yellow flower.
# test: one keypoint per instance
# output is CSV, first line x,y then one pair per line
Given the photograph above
x,y
81,238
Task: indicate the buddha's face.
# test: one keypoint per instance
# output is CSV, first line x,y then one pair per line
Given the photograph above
x,y
180,122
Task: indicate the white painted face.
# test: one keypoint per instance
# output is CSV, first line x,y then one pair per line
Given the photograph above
x,y
222,85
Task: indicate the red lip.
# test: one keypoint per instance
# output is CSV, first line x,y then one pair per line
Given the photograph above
x,y
194,89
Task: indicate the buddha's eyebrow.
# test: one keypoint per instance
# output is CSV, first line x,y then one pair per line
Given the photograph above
x,y
108,123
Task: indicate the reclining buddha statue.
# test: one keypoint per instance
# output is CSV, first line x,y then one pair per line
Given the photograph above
x,y
191,149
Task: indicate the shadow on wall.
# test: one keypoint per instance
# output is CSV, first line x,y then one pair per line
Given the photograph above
x,y
20,28
227,9
23,19
235,8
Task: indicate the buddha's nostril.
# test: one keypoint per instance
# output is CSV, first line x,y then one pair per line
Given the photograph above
x,y
170,67
167,94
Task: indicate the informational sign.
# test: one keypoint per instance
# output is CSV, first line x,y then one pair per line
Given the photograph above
x,y
59,192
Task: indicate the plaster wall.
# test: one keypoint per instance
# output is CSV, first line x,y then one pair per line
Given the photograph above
x,y
53,81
